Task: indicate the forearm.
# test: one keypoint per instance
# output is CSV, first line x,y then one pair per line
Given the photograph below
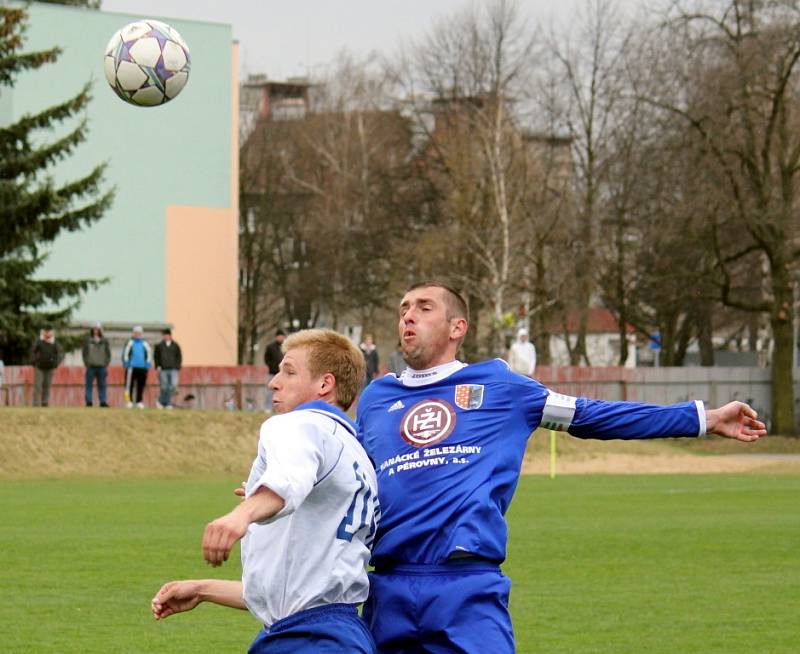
x,y
220,591
222,533
261,505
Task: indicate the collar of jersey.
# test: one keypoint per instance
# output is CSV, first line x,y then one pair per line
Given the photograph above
x,y
412,377
331,410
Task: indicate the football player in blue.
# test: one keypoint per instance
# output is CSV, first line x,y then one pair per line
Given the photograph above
x,y
448,440
309,514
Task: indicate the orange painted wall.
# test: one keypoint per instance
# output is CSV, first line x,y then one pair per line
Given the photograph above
x,y
202,266
201,285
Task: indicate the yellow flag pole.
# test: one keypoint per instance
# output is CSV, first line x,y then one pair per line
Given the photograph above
x,y
552,454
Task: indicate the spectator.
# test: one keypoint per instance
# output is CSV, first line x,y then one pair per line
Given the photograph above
x,y
522,355
273,356
45,357
396,362
96,357
370,352
168,363
137,358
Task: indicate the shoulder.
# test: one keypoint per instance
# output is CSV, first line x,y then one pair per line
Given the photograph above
x,y
495,371
378,387
297,421
491,368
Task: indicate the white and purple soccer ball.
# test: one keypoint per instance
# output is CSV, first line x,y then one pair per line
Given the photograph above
x,y
147,63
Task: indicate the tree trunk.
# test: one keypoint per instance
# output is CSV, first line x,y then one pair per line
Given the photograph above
x,y
783,413
704,332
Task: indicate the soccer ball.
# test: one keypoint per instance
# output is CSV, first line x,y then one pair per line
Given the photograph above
x,y
147,63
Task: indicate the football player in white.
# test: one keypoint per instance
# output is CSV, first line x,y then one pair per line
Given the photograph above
x,y
309,515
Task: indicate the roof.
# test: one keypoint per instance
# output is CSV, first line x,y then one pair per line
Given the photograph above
x,y
599,321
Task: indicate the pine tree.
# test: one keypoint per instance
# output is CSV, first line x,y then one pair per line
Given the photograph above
x,y
34,210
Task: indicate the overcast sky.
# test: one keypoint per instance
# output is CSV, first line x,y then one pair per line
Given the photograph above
x,y
283,38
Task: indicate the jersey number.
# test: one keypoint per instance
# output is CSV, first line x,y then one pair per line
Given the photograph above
x,y
361,511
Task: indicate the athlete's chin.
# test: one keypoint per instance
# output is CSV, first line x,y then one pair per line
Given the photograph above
x,y
415,358
278,407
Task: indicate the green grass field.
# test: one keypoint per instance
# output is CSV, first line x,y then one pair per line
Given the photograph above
x,y
599,564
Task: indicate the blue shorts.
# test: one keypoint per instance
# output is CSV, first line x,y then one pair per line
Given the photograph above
x,y
332,629
459,608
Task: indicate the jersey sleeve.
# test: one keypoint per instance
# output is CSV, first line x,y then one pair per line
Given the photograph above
x,y
292,448
631,420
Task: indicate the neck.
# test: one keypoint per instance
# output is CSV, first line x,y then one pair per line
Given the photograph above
x,y
417,377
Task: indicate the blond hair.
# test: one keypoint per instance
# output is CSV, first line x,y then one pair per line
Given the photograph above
x,y
329,351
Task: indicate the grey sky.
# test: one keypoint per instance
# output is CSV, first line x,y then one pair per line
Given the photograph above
x,y
283,38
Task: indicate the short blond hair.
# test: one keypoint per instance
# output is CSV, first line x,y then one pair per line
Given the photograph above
x,y
329,351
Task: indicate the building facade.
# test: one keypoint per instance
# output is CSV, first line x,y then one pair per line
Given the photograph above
x,y
169,244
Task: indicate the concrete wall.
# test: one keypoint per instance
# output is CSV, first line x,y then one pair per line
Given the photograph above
x,y
715,386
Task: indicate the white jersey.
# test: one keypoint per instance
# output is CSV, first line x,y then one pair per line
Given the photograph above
x,y
315,550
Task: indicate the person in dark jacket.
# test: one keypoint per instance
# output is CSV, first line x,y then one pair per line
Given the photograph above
x,y
168,360
96,357
370,352
45,357
273,355
137,358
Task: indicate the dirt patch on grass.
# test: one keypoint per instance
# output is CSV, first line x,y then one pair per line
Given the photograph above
x,y
707,455
620,464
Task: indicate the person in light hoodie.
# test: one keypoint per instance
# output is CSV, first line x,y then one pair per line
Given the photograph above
x,y
137,359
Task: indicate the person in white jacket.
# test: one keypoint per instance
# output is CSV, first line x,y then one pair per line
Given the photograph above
x,y
522,355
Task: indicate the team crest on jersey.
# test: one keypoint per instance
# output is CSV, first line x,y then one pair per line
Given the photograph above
x,y
469,396
427,423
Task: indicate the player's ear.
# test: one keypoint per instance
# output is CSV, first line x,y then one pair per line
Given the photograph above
x,y
327,383
458,328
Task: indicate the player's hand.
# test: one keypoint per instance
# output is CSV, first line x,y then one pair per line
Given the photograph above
x,y
175,597
220,535
735,420
240,492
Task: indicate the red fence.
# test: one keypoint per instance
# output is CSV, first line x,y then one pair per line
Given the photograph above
x,y
214,387
244,387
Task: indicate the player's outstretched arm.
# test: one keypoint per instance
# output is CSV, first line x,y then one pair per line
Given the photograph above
x,y
221,534
178,596
735,420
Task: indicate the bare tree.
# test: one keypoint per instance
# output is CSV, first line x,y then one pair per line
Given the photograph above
x,y
589,66
464,81
736,89
325,203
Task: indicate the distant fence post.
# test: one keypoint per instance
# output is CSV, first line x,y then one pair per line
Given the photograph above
x,y
237,394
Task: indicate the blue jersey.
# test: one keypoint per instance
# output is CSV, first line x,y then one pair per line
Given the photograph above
x,y
448,453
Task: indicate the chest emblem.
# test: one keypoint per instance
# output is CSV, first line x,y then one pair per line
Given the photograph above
x,y
469,396
427,423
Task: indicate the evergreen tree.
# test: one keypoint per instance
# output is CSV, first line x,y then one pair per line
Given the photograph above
x,y
33,208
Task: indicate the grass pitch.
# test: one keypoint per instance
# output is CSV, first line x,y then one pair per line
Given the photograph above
x,y
700,563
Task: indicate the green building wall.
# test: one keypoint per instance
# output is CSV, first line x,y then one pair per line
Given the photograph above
x,y
174,154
